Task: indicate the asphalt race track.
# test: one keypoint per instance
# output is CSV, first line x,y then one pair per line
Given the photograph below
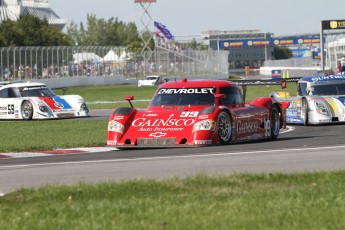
x,y
310,148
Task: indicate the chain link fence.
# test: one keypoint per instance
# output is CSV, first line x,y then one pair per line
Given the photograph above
x,y
27,63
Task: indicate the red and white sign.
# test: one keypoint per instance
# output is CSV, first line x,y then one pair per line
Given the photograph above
x,y
144,1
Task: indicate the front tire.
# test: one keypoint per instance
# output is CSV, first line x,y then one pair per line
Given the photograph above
x,y
305,110
224,128
275,123
27,110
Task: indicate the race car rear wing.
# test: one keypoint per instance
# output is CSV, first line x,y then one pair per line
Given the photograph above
x,y
277,81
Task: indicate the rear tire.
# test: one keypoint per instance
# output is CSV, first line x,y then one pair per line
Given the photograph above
x,y
224,128
275,122
27,110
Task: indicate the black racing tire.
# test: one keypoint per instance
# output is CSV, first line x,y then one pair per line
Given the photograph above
x,y
27,110
305,110
275,122
224,128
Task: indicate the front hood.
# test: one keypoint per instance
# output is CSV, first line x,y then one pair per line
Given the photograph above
x,y
56,103
157,128
337,99
162,124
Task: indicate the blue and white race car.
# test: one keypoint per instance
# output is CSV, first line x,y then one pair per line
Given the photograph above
x,y
30,100
320,100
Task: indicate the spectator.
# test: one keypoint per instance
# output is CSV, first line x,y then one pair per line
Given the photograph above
x,y
342,64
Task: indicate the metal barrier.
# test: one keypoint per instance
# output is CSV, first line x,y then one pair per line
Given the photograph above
x,y
26,63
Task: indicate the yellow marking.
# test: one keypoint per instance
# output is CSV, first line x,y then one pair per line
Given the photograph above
x,y
333,105
284,94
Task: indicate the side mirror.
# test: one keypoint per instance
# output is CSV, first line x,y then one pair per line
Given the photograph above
x,y
129,99
219,97
309,90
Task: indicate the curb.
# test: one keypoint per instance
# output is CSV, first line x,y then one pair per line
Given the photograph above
x,y
56,152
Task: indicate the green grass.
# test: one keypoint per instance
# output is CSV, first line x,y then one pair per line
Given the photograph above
x,y
265,201
51,134
111,92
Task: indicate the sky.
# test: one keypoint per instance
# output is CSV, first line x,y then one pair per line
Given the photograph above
x,y
191,17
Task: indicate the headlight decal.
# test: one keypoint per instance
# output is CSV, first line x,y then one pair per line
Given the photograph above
x,y
204,125
322,108
116,127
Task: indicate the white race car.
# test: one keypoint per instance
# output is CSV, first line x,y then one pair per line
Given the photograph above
x,y
320,100
36,101
151,80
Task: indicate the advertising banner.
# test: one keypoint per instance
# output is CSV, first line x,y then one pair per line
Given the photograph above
x,y
301,40
333,24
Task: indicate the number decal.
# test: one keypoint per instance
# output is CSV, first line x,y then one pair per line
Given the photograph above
x,y
189,114
10,109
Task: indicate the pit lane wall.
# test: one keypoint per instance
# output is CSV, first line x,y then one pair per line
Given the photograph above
x,y
66,82
293,71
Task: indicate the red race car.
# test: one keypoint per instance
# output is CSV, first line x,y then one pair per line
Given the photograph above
x,y
195,113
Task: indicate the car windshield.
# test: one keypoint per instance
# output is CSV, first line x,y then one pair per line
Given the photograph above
x,y
37,91
183,97
330,89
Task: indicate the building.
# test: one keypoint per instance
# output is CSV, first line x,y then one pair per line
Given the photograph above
x,y
246,47
12,9
253,47
335,50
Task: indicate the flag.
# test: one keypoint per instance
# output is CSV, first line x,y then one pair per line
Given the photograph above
x,y
162,28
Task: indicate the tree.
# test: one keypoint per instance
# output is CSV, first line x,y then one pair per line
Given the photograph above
x,y
282,53
101,32
30,30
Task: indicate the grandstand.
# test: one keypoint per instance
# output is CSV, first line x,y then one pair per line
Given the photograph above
x,y
12,9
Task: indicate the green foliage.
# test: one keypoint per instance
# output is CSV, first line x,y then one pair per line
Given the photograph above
x,y
282,52
29,30
101,32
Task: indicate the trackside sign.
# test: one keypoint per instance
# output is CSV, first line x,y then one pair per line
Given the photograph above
x,y
144,1
333,24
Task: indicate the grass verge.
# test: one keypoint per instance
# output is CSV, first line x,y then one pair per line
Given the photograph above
x,y
269,201
51,134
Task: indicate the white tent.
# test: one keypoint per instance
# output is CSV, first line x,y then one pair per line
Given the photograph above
x,y
82,57
111,56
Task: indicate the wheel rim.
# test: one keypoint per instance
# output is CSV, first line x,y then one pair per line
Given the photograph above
x,y
26,110
224,127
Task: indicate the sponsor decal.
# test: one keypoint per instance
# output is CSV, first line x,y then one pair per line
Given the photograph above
x,y
203,142
111,142
202,117
118,118
186,91
177,122
327,78
149,115
267,125
247,127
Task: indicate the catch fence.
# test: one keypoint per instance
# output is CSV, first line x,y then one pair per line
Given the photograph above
x,y
27,63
